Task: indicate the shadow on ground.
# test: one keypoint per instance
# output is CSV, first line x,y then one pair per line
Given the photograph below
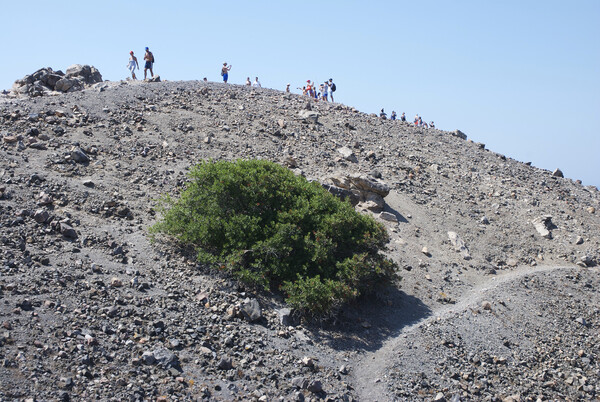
x,y
398,215
370,321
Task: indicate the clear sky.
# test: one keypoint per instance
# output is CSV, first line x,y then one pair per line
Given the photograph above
x,y
521,76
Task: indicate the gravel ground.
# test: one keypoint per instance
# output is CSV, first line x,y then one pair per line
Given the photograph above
x,y
498,259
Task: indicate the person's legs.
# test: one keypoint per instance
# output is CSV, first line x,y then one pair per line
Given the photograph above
x,y
145,72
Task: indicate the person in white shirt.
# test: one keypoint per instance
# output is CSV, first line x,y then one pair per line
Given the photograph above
x,y
256,83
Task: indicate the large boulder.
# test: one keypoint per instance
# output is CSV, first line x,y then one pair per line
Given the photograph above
x,y
65,84
89,74
46,80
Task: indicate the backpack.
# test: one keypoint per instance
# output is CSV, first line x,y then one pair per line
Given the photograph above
x,y
332,87
152,57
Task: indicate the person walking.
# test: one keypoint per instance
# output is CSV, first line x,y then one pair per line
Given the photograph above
x,y
225,72
149,59
133,63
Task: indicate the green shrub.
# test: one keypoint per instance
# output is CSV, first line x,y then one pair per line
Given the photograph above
x,y
273,229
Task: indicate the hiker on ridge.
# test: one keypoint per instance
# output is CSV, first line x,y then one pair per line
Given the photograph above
x,y
225,72
332,88
149,58
133,63
256,83
393,116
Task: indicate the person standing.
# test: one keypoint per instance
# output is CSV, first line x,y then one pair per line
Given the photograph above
x,y
133,63
248,82
403,117
287,88
256,83
393,116
225,72
332,88
149,59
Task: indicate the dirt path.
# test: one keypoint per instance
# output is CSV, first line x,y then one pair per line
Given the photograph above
x,y
373,367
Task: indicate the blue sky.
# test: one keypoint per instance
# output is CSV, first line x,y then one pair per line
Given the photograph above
x,y
523,76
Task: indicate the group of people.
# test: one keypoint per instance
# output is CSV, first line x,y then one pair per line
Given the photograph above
x,y
325,91
133,64
418,120
255,84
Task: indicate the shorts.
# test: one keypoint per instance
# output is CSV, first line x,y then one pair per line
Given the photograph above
x,y
225,76
148,65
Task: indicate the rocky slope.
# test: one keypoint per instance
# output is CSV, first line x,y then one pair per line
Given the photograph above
x,y
498,301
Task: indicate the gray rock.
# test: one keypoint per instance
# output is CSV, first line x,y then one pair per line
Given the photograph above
x,y
41,216
166,358
370,185
300,382
67,231
542,224
557,173
79,156
89,74
348,154
459,245
251,310
459,134
148,358
343,193
225,363
315,386
309,116
284,315
65,84
373,202
387,216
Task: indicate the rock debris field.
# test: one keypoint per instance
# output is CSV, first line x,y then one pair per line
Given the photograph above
x,y
499,298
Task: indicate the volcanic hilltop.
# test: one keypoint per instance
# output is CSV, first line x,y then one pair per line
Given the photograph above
x,y
500,286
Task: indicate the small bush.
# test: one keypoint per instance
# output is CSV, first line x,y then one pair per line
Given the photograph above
x,y
273,229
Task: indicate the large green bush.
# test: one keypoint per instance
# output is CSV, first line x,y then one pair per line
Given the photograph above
x,y
271,228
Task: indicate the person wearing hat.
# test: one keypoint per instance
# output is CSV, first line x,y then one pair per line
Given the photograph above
x,y
149,58
133,63
331,88
225,72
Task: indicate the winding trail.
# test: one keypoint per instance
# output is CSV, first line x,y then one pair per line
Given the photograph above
x,y
372,368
